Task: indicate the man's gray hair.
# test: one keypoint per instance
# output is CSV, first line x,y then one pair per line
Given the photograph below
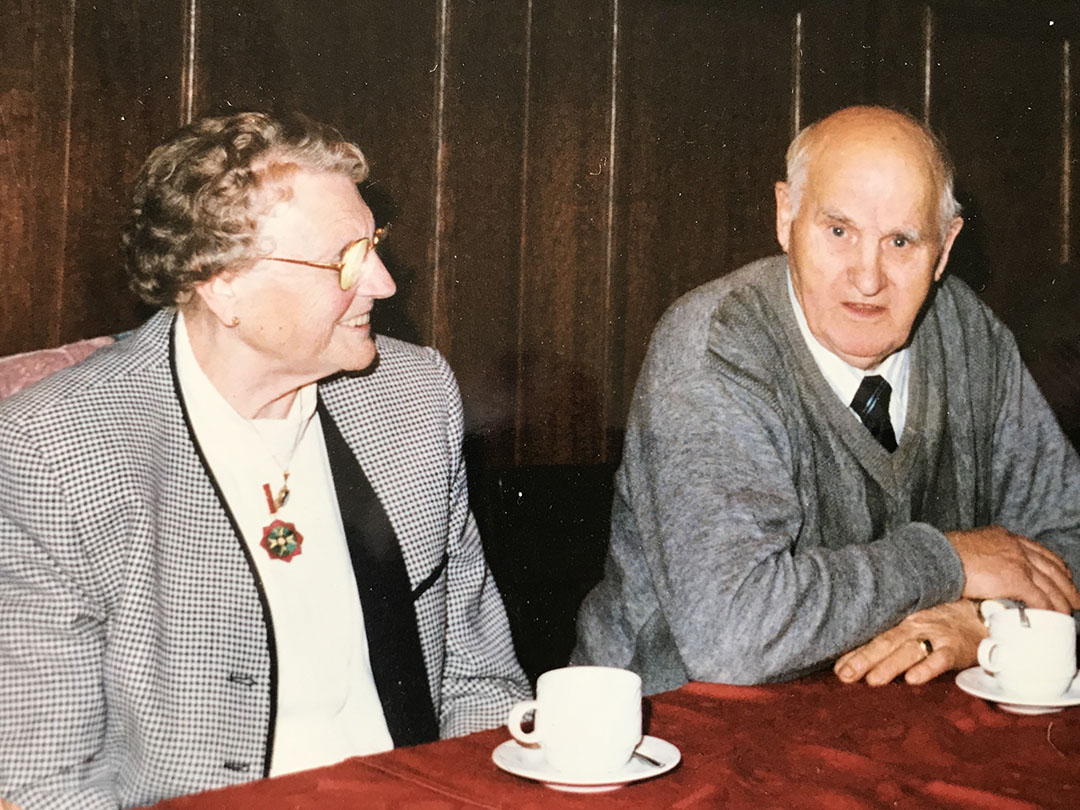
x,y
798,166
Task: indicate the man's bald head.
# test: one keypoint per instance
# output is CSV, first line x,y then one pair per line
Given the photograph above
x,y
875,126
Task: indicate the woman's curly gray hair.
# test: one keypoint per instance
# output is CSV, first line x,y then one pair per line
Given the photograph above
x,y
199,196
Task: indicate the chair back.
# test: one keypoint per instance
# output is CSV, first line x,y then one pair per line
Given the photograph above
x,y
17,371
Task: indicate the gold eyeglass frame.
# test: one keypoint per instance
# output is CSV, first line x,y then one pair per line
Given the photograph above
x,y
350,267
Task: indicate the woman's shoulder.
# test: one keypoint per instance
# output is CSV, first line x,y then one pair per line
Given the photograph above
x,y
402,369
117,376
400,358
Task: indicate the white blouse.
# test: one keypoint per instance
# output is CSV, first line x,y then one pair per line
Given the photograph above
x,y
328,708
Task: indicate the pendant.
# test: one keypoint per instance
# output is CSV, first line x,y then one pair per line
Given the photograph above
x,y
281,540
275,502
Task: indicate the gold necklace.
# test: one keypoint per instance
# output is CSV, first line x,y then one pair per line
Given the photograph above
x,y
275,501
280,538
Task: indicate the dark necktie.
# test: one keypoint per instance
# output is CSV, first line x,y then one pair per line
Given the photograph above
x,y
871,403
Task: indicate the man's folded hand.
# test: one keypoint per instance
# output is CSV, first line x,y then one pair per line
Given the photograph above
x,y
953,631
1000,564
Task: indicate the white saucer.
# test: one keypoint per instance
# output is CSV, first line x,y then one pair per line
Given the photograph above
x,y
530,763
976,681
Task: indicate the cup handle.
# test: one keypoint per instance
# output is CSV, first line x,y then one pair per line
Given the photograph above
x,y
517,714
986,651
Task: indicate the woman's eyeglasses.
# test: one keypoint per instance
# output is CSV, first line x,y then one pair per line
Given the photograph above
x,y
350,267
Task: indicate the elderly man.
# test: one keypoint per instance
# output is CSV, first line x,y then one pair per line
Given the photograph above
x,y
834,454
238,543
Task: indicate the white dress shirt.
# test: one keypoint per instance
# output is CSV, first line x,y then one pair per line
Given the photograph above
x,y
844,378
328,708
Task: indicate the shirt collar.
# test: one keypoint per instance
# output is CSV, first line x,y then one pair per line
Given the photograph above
x,y
843,377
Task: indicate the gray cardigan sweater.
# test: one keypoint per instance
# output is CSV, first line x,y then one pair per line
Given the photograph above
x,y
759,531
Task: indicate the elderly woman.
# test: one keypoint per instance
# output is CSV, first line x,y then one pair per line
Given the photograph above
x,y
238,543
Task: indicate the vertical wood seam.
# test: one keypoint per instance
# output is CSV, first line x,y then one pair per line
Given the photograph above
x,y
65,203
519,382
796,75
188,73
608,371
439,336
1066,152
928,60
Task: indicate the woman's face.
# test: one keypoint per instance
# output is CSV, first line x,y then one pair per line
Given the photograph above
x,y
297,318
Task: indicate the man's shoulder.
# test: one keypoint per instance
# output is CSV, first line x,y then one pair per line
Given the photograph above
x,y
964,320
685,325
958,294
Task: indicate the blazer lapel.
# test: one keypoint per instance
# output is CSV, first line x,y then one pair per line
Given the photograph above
x,y
397,660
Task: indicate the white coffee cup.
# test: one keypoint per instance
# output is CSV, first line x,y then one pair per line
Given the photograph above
x,y
587,719
1037,662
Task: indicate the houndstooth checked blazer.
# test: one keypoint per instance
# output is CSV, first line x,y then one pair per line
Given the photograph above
x,y
135,662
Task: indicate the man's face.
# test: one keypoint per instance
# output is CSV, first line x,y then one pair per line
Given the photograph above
x,y
864,246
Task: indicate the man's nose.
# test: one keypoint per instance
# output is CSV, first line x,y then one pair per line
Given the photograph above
x,y
377,281
867,272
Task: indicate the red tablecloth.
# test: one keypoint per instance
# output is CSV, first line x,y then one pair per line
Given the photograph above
x,y
815,743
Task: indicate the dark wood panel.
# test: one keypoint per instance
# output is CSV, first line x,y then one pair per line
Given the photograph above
x,y
563,400
836,59
479,224
371,69
125,99
998,103
703,125
35,58
548,205
1005,99
897,38
860,52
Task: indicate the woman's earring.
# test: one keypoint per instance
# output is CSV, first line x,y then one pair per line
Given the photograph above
x,y
235,322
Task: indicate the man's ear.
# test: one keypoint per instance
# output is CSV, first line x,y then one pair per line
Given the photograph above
x,y
950,237
218,295
783,214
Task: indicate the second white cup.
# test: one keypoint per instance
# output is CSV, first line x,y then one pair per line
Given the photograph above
x,y
1037,662
587,719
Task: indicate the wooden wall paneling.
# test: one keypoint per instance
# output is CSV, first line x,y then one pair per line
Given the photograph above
x,y
125,98
563,398
704,95
836,57
897,70
35,63
1052,342
861,52
757,87
371,69
479,217
1002,100
997,101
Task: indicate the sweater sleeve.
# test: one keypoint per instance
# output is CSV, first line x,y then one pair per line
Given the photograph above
x,y
1035,469
716,571
709,472
51,646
